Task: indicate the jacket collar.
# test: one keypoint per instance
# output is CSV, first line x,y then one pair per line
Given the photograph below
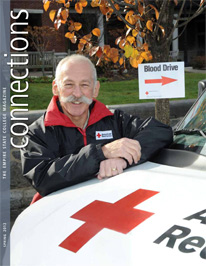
x,y
54,117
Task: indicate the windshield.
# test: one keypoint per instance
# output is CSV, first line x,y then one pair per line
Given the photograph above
x,y
196,117
191,133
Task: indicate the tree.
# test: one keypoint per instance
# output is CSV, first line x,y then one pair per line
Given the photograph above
x,y
152,22
41,38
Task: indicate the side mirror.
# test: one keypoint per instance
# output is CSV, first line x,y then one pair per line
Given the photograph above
x,y
201,86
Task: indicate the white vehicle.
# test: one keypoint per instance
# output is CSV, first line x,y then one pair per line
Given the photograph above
x,y
152,214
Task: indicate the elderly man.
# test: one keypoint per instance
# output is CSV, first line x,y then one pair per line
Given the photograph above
x,y
78,138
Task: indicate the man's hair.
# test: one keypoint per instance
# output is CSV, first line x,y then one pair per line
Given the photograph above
x,y
75,58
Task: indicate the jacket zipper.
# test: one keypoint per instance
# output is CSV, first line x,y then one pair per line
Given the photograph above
x,y
83,132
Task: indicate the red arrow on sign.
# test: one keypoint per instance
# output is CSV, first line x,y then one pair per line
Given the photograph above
x,y
163,80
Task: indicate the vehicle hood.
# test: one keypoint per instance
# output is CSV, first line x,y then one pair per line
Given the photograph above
x,y
151,214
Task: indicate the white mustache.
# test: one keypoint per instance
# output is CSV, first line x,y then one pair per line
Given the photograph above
x,y
71,98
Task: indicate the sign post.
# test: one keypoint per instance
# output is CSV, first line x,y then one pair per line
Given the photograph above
x,y
161,80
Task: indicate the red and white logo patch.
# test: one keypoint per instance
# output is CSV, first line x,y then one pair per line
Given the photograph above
x,y
107,134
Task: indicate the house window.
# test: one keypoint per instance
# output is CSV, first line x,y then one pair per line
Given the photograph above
x,y
34,19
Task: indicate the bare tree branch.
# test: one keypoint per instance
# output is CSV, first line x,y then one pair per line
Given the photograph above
x,y
119,14
179,35
123,4
161,14
177,21
196,14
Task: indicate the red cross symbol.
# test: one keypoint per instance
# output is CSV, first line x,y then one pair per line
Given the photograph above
x,y
146,92
99,135
119,216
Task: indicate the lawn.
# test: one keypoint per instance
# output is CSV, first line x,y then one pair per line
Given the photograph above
x,y
118,92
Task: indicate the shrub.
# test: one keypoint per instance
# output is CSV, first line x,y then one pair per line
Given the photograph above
x,y
199,62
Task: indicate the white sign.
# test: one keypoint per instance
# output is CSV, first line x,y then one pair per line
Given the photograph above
x,y
161,80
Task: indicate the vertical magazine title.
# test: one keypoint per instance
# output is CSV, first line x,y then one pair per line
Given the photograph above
x,y
19,60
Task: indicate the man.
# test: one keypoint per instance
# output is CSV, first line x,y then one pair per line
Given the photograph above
x,y
78,138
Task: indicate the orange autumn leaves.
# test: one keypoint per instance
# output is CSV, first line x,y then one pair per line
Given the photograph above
x,y
79,5
60,17
128,46
127,51
134,51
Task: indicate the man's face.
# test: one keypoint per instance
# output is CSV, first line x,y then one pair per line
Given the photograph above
x,y
76,82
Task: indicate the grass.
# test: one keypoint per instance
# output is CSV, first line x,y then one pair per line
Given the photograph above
x,y
118,92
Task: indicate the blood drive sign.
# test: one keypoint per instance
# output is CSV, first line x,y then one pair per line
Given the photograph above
x,y
161,80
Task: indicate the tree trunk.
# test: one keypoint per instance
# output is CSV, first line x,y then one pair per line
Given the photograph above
x,y
162,110
162,106
160,47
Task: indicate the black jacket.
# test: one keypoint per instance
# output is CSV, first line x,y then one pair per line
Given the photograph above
x,y
60,155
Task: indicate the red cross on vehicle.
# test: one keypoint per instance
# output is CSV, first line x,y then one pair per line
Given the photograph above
x,y
99,214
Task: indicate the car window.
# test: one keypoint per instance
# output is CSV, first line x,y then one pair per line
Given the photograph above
x,y
196,118
191,133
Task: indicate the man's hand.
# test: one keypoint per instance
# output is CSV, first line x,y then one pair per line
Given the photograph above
x,y
128,149
111,167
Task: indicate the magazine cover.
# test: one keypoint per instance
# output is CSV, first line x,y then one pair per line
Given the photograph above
x,y
95,169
